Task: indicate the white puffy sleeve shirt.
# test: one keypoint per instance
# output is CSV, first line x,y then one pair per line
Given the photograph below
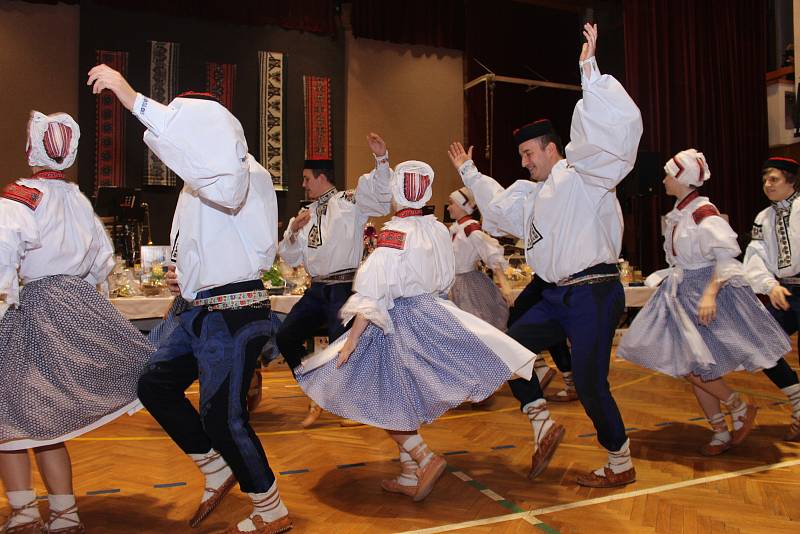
x,y
471,243
225,227
56,232
774,248
414,257
572,220
333,238
696,236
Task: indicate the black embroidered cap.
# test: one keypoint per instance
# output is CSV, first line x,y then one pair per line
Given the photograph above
x,y
318,164
784,164
533,130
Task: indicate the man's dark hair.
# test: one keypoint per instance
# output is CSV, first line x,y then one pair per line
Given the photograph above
x,y
554,138
328,174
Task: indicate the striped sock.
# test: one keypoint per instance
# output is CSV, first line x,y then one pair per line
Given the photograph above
x,y
214,468
268,506
793,392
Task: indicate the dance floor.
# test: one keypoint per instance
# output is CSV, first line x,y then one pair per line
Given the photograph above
x,y
131,478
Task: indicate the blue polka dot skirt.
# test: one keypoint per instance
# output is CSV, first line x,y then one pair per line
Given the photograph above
x,y
742,336
68,363
430,364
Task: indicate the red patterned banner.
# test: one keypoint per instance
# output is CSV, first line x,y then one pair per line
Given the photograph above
x,y
317,91
220,82
110,116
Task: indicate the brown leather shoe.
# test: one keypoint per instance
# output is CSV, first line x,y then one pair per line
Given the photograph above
x,y
392,486
793,434
254,391
273,527
207,506
609,480
34,527
749,422
708,449
314,411
548,377
31,527
565,395
428,475
545,450
75,528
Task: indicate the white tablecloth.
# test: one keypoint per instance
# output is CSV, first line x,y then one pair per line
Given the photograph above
x,y
135,308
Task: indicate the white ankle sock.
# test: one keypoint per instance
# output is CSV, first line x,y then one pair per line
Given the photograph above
x,y
793,392
59,503
618,461
19,499
412,443
569,384
737,407
541,368
408,474
539,416
267,505
214,468
717,422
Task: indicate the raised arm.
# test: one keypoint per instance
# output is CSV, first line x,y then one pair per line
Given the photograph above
x,y
199,140
503,210
606,124
374,191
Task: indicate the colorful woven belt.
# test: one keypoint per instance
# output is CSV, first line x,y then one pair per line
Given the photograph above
x,y
232,301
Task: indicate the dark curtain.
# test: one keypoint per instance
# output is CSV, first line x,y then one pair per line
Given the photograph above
x,y
696,69
315,16
525,41
438,23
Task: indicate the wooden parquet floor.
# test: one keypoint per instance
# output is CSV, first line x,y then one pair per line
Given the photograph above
x,y
131,478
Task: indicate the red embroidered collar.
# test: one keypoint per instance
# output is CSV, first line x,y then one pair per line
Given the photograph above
x,y
408,212
49,174
688,198
464,219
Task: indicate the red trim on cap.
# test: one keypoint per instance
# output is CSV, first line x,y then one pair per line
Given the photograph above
x,y
408,212
688,198
537,121
29,196
392,239
703,212
680,167
790,160
49,175
56,140
474,227
190,94
415,185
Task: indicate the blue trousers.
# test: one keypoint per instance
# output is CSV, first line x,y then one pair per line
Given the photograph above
x,y
220,348
782,375
528,298
318,307
587,315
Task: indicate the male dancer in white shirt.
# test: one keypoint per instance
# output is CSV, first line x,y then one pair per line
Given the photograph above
x,y
571,222
224,233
